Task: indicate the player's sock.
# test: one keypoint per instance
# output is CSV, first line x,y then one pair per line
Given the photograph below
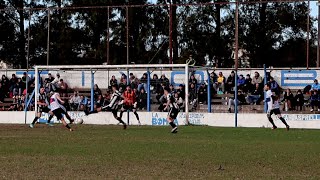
x,y
67,126
137,116
50,117
34,120
120,120
283,121
68,117
121,112
271,121
172,124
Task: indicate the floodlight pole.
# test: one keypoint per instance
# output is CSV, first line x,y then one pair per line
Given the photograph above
x,y
187,93
318,44
308,34
108,36
28,58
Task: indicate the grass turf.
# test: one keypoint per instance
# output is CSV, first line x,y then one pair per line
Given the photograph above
x,y
108,152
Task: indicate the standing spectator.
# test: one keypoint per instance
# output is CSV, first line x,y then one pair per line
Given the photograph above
x,y
55,82
315,86
133,81
241,82
202,93
160,92
123,84
18,88
274,86
5,84
142,99
299,99
288,99
2,94
230,82
172,90
25,80
113,81
13,80
257,79
220,84
314,100
193,80
63,88
193,96
248,84
143,82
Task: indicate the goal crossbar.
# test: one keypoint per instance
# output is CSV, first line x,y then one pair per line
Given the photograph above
x,y
92,68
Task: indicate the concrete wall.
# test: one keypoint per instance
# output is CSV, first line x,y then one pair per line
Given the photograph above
x,y
308,121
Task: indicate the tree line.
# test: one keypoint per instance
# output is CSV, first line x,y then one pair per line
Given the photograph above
x,y
272,33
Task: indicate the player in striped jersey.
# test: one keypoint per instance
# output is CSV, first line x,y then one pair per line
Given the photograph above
x,y
273,107
129,102
43,106
113,106
173,109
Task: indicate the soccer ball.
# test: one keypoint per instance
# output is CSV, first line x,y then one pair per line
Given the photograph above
x,y
79,121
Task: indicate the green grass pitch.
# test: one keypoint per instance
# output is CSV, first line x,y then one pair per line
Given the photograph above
x,y
196,152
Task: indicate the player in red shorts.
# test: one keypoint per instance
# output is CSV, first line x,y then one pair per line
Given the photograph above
x,y
129,102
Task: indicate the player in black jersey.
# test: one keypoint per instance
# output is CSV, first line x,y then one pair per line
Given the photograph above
x,y
173,109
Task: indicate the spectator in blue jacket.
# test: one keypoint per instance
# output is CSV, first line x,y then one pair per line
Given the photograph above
x,y
314,100
241,82
274,86
315,86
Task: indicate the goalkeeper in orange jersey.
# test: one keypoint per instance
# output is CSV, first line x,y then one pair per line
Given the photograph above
x,y
129,102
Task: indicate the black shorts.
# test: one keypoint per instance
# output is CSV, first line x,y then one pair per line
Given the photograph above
x,y
128,107
275,111
173,113
58,113
43,109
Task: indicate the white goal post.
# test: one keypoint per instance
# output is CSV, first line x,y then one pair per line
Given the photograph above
x,y
131,67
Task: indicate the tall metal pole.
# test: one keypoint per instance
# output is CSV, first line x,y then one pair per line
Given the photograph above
x,y
108,36
236,64
127,28
48,39
318,47
170,35
308,34
28,58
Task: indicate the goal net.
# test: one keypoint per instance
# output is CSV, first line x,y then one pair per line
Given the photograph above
x,y
145,78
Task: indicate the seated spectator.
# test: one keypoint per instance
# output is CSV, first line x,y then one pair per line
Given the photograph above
x,y
50,78
17,88
155,83
193,80
241,82
113,81
143,82
315,86
254,96
160,92
299,99
122,84
13,81
257,79
181,91
288,99
180,102
172,90
232,101
219,85
247,87
75,101
142,99
314,100
230,82
202,93
25,80
274,86
55,82
164,80
133,81
83,103
63,88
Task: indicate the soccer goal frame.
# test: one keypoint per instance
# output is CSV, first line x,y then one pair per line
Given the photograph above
x,y
127,68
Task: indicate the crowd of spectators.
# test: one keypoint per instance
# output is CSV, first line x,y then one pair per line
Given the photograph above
x,y
250,91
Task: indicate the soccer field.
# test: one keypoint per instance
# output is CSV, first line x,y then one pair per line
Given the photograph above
x,y
196,152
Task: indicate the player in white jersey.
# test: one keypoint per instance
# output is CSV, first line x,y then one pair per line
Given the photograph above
x,y
56,107
173,109
113,106
273,107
